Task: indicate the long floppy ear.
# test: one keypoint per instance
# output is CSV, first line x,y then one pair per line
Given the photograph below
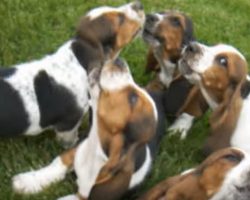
x,y
159,191
152,64
182,187
93,40
224,119
195,103
118,184
188,32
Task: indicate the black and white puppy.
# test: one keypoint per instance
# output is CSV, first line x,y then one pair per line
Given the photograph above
x,y
53,92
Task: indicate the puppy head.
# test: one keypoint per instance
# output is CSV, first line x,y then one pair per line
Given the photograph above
x,y
122,104
104,31
167,33
214,175
217,68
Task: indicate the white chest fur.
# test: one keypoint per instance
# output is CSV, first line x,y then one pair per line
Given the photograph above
x,y
241,135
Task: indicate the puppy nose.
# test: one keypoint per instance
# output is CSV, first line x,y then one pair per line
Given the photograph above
x,y
192,48
151,18
137,6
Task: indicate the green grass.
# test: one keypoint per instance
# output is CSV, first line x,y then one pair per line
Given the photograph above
x,y
30,29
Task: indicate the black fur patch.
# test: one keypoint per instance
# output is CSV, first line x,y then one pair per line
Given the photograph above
x,y
93,42
245,90
188,32
13,117
176,95
7,72
57,104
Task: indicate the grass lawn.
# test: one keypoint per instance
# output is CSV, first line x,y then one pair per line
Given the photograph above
x,y
30,29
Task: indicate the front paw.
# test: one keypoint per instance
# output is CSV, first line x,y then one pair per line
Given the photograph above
x,y
181,125
26,183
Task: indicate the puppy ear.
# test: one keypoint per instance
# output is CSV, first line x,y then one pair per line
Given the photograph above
x,y
182,187
152,63
188,32
94,39
117,184
224,119
161,189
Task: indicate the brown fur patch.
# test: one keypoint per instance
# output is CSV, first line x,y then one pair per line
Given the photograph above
x,y
195,103
68,157
201,183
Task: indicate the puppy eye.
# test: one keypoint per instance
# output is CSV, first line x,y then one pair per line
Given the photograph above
x,y
132,98
175,21
233,158
222,61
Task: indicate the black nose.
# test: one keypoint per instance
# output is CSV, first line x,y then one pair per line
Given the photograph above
x,y
151,18
137,6
119,62
192,48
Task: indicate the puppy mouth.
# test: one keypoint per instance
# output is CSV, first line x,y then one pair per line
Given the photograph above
x,y
149,36
184,67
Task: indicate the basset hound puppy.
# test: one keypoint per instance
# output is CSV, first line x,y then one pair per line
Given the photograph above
x,y
220,72
52,92
118,152
167,33
224,175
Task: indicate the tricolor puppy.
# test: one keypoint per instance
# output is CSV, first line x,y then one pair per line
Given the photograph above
x,y
167,33
117,154
224,175
221,73
52,92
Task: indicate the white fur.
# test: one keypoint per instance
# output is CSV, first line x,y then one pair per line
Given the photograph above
x,y
36,181
237,177
167,72
188,171
126,9
182,124
241,135
63,67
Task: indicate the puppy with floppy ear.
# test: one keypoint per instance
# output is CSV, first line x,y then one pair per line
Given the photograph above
x,y
167,33
221,73
117,154
33,94
105,31
215,178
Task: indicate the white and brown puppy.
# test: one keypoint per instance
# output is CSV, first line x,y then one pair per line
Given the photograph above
x,y
221,73
52,92
167,33
117,154
224,175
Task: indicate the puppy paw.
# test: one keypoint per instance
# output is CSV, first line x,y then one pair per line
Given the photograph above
x,y
181,125
27,183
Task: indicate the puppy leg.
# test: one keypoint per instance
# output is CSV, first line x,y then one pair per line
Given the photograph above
x,y
68,138
182,125
35,181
